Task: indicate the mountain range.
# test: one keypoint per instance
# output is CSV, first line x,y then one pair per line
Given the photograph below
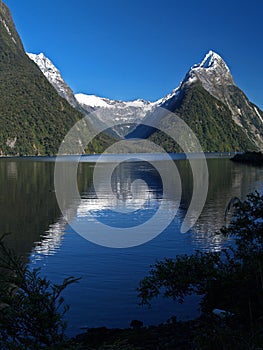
x,y
37,107
208,99
129,114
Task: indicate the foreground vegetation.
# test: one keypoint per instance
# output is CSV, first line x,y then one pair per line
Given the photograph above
x,y
230,280
32,308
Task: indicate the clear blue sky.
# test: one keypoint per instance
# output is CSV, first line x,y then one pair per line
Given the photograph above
x,y
126,49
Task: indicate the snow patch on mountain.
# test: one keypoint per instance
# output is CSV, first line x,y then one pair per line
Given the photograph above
x,y
127,114
54,77
165,101
257,112
102,102
47,67
92,101
7,29
212,60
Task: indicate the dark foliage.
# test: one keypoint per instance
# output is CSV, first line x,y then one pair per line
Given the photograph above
x,y
210,120
34,119
32,308
231,280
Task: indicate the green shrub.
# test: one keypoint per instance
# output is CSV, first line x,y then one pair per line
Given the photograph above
x,y
32,308
231,280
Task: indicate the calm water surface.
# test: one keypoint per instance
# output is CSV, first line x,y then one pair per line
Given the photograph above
x,y
106,293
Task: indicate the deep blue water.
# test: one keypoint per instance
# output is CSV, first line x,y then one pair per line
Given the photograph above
x,y
106,294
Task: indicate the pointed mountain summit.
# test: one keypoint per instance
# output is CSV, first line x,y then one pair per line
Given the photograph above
x,y
212,72
217,111
215,77
214,61
208,100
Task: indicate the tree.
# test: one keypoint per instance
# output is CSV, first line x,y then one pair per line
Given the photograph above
x,y
231,280
32,308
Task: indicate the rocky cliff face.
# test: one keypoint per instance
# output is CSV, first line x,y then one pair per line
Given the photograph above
x,y
216,78
218,112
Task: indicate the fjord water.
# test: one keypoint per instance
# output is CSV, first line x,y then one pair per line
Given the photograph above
x,y
106,293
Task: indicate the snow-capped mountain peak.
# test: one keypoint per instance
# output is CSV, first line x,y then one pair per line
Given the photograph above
x,y
54,77
211,71
211,60
46,66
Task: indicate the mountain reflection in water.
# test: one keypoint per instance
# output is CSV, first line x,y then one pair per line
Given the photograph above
x,y
130,196
29,210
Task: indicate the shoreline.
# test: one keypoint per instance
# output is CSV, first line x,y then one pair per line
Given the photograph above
x,y
171,334
93,158
251,158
